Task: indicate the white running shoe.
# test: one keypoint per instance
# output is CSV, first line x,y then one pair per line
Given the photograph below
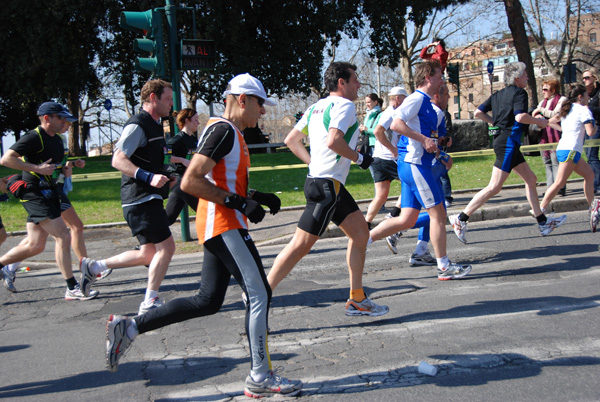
x,y
153,303
117,341
272,385
103,274
453,271
552,223
391,241
424,259
77,294
87,277
594,214
460,227
365,307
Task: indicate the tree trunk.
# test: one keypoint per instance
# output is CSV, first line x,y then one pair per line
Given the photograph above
x,y
516,23
407,76
73,104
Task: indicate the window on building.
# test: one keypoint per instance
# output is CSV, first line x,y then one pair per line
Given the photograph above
x,y
593,37
473,52
470,97
471,115
496,78
500,46
545,71
506,61
455,115
456,99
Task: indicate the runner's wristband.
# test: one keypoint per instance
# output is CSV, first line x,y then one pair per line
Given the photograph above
x,y
359,160
144,175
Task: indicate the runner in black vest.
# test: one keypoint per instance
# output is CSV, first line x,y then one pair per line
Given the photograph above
x,y
142,156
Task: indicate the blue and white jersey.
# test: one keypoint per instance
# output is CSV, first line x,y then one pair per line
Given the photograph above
x,y
418,114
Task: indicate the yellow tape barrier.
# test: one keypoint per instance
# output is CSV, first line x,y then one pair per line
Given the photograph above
x,y
479,152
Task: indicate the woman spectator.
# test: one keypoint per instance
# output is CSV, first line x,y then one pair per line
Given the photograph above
x,y
547,109
183,145
371,119
576,121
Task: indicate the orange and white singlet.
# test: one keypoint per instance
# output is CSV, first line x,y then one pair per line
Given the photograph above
x,y
230,173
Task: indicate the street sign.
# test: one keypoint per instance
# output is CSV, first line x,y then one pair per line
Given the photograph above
x,y
107,104
197,54
490,67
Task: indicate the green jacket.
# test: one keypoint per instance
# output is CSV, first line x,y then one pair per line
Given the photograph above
x,y
371,120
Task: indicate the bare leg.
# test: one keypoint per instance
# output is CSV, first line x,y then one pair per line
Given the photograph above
x,y
382,190
291,254
355,227
407,219
33,244
564,171
60,232
76,225
437,227
160,263
530,180
495,185
585,170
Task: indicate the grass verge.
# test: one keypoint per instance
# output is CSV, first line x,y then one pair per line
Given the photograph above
x,y
99,201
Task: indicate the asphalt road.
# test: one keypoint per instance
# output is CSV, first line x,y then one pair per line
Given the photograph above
x,y
523,326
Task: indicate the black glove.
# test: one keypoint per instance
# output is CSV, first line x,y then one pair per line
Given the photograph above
x,y
364,160
248,207
268,199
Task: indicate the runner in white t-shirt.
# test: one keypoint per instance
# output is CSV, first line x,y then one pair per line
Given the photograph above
x,y
333,132
384,168
576,120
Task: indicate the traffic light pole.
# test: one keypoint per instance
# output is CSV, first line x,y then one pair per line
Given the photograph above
x,y
170,11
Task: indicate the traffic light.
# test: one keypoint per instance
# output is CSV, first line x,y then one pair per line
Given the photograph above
x,y
453,73
149,24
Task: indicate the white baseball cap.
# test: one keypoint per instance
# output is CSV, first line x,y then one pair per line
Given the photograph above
x,y
247,84
398,91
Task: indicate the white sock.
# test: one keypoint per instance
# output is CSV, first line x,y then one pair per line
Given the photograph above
x,y
150,294
13,267
258,377
98,266
421,247
443,262
369,242
132,330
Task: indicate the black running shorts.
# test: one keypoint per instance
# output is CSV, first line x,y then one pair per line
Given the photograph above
x,y
327,200
148,222
384,170
508,153
40,208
